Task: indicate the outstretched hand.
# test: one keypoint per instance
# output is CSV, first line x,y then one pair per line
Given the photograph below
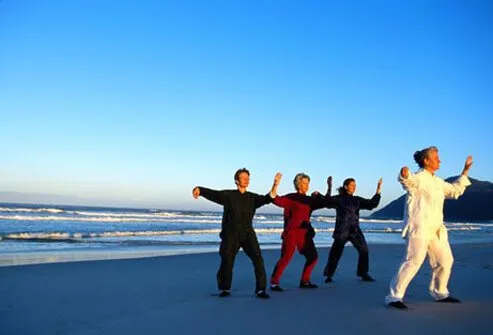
x,y
405,172
277,178
379,185
329,181
468,163
196,192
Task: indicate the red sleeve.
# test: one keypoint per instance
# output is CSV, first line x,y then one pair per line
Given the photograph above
x,y
282,202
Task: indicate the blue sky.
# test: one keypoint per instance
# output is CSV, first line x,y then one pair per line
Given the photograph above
x,y
134,102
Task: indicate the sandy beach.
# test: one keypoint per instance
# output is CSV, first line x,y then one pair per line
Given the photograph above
x,y
177,295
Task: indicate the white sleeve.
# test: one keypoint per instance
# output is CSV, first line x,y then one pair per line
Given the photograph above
x,y
410,184
456,189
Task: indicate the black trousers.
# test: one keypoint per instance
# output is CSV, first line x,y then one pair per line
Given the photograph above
x,y
230,245
358,240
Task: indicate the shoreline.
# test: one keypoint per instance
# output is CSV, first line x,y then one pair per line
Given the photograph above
x,y
122,253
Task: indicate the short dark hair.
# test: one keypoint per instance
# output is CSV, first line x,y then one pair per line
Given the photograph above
x,y
342,189
420,155
240,171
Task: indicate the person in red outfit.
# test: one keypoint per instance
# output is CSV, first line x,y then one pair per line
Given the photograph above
x,y
298,232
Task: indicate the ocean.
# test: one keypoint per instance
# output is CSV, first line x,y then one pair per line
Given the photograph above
x,y
52,233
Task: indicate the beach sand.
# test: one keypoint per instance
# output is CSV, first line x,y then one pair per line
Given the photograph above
x,y
177,295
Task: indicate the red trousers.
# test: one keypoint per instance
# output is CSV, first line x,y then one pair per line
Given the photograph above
x,y
292,240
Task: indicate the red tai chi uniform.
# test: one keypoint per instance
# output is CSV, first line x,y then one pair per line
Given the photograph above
x,y
298,233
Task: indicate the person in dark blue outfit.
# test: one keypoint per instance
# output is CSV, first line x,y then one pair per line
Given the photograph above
x,y
347,228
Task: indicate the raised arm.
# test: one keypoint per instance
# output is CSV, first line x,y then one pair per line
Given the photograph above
x,y
329,186
456,189
372,203
263,200
219,197
277,181
408,180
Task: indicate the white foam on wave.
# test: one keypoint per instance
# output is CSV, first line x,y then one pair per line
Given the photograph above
x,y
82,235
463,228
144,215
379,220
30,210
468,224
105,219
324,219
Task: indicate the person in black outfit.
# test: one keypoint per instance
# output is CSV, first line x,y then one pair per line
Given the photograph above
x,y
237,230
347,207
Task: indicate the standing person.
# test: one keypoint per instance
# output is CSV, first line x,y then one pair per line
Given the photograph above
x,y
298,232
237,230
424,228
347,228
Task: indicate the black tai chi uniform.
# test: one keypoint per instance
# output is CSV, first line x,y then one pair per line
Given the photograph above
x,y
237,232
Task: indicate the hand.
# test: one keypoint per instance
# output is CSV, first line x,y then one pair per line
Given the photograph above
x,y
277,178
329,181
379,185
405,172
196,192
468,163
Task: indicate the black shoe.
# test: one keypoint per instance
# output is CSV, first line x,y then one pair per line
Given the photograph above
x,y
276,288
262,295
328,280
449,299
397,304
366,277
307,285
224,293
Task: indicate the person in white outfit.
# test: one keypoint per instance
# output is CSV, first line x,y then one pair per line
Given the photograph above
x,y
423,227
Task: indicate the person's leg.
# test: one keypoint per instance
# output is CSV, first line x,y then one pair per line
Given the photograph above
x,y
252,249
307,248
416,250
334,256
441,261
227,250
287,251
358,241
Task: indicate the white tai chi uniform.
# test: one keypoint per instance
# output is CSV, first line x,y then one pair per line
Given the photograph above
x,y
425,232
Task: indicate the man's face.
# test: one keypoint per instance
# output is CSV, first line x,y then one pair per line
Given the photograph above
x,y
243,180
432,162
303,185
351,188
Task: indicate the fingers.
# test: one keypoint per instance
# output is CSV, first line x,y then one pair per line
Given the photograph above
x,y
196,192
405,172
277,178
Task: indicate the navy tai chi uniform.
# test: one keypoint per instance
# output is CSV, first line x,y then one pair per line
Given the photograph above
x,y
347,229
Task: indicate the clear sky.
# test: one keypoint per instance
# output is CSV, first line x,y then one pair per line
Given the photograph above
x,y
134,102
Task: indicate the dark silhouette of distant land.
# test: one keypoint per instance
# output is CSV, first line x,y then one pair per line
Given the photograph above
x,y
476,204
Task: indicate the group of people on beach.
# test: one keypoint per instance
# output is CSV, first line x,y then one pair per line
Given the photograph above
x,y
423,228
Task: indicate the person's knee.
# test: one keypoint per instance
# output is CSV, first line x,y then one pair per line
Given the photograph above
x,y
363,250
447,263
416,259
227,259
258,259
312,257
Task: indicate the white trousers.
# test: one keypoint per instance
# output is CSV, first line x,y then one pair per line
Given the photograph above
x,y
419,244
